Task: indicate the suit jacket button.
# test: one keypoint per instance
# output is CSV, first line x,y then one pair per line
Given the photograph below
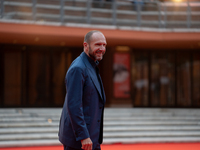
x,y
98,120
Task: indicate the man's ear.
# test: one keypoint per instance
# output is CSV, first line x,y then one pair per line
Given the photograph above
x,y
85,45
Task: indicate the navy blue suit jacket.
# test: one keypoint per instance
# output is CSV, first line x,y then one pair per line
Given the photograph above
x,y
82,114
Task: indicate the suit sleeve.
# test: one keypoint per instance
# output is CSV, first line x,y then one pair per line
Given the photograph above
x,y
74,85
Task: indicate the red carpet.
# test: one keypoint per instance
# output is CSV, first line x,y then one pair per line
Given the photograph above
x,y
159,146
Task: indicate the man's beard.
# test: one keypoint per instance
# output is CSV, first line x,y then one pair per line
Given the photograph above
x,y
92,54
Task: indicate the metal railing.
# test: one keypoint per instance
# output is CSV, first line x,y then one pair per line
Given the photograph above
x,y
131,13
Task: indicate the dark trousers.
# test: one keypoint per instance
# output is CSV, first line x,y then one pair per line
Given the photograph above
x,y
70,148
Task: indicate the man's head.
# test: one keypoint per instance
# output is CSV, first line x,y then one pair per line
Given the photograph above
x,y
95,45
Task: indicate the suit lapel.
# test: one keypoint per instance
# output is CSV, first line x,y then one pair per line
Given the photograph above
x,y
95,80
104,97
93,76
101,84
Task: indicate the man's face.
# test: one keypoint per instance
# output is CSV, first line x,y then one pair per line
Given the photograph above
x,y
97,46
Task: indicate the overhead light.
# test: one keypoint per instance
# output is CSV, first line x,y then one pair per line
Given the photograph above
x,y
14,41
37,39
177,1
62,44
123,48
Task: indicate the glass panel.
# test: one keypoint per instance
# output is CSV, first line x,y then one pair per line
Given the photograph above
x,y
38,77
1,76
183,79
12,76
140,79
61,62
162,79
196,79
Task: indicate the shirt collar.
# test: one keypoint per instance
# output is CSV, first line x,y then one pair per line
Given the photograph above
x,y
92,62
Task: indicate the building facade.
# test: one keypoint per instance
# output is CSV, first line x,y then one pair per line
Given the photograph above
x,y
139,69
152,58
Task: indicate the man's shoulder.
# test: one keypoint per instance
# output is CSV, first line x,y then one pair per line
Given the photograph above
x,y
78,62
77,65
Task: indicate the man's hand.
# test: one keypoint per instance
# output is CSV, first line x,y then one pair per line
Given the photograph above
x,y
86,144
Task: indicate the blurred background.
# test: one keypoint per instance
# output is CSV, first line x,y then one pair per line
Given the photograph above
x,y
152,58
